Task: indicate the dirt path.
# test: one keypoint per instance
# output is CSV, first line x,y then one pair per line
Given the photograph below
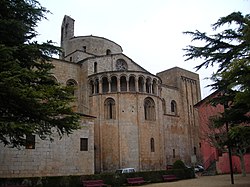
x,y
208,181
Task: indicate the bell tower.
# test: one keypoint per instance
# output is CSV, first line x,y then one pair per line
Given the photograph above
x,y
67,32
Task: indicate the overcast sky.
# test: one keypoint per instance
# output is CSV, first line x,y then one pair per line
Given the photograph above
x,y
149,31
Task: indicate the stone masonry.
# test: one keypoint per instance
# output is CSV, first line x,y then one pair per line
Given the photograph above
x,y
140,120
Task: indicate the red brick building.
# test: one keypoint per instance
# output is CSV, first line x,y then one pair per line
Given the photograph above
x,y
210,154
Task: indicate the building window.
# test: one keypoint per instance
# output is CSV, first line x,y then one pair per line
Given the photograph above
x,y
148,86
95,67
109,108
173,107
123,84
195,151
92,87
72,83
70,59
113,84
105,85
164,106
84,144
96,85
30,141
154,87
152,145
173,153
141,84
132,84
149,109
108,52
66,29
84,48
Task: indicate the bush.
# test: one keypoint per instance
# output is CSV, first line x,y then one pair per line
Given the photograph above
x,y
178,164
111,179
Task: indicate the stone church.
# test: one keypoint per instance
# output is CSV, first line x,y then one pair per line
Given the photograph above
x,y
130,117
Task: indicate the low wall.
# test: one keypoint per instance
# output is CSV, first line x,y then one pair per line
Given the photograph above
x,y
223,166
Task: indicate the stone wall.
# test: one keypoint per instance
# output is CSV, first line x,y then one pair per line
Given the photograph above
x,y
61,157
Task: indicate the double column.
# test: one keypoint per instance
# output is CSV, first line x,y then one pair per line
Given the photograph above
x,y
125,84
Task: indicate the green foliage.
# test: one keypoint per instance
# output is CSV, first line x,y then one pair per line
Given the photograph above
x,y
230,49
111,179
225,46
31,102
179,164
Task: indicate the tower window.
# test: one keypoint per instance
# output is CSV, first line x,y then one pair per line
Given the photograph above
x,y
109,108
108,52
152,144
84,144
95,67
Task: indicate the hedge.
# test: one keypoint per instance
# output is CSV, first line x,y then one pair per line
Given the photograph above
x,y
112,179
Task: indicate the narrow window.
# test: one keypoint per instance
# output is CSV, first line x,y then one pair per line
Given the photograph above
x,y
132,84
105,85
84,48
152,144
108,52
95,67
84,144
92,87
195,150
123,84
173,107
113,84
141,84
30,141
149,109
154,87
164,106
109,106
173,153
66,29
148,86
72,83
70,59
62,33
96,86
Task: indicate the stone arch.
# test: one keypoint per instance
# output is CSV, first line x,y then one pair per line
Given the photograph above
x,y
105,85
72,83
109,108
108,52
154,86
141,84
96,84
164,106
149,109
113,84
123,83
53,78
173,107
148,85
91,87
132,83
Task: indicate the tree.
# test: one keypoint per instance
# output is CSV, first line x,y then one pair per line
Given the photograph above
x,y
31,101
230,49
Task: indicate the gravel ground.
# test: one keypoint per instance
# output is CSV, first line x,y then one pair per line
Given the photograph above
x,y
207,181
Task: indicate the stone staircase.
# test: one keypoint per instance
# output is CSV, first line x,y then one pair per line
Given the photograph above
x,y
211,170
